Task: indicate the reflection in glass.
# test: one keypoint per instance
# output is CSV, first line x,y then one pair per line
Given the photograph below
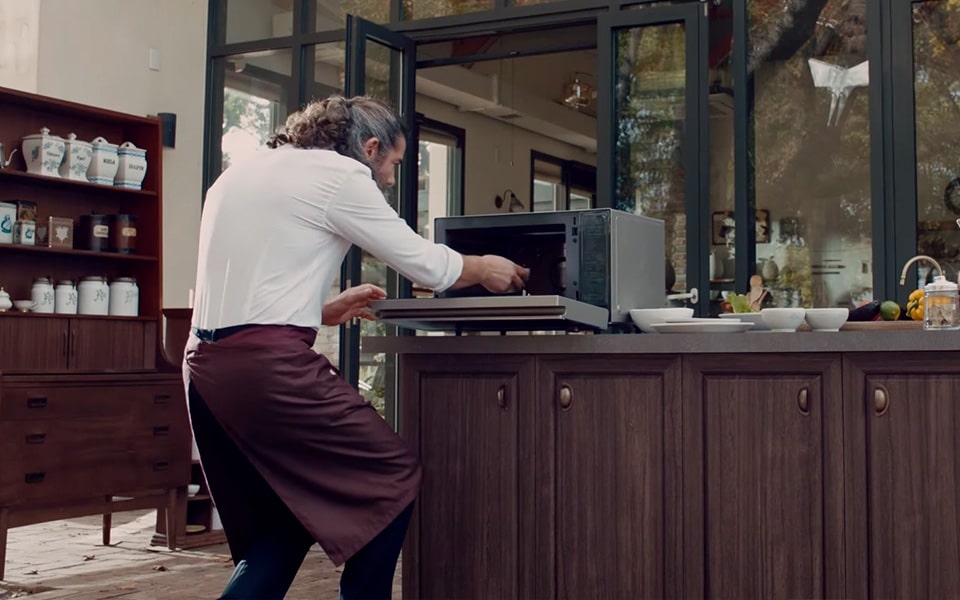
x,y
257,20
811,151
254,101
332,14
649,96
425,9
936,63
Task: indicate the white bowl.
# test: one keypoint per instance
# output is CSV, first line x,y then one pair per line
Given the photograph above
x,y
782,319
644,317
193,489
750,317
826,319
24,305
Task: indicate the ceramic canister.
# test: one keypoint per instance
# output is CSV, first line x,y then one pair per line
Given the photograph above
x,y
132,166
93,296
103,163
43,295
43,153
8,216
124,297
65,301
25,233
76,160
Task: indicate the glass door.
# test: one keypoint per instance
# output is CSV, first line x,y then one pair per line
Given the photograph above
x,y
380,63
652,126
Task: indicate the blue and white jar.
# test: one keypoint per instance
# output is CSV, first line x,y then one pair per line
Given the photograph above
x,y
132,168
104,162
43,153
8,217
76,160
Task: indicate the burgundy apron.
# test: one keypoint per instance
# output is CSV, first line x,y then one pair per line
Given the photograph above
x,y
312,445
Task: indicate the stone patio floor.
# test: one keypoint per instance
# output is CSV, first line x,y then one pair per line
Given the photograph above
x,y
65,560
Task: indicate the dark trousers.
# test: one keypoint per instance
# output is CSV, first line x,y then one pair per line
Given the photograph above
x,y
270,565
267,564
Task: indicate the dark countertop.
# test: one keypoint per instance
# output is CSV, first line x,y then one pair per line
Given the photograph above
x,y
673,343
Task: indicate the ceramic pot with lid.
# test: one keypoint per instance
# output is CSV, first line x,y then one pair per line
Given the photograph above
x,y
124,297
93,296
103,163
5,303
43,295
44,153
76,159
65,298
132,166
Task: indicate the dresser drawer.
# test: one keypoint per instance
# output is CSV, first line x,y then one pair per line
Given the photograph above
x,y
89,472
96,400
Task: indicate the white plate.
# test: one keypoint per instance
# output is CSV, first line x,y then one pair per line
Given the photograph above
x,y
714,326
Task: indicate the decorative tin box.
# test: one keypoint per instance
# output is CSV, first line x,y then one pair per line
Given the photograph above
x,y
55,232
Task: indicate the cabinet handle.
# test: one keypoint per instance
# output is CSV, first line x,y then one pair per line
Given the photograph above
x,y
161,399
73,346
160,465
566,397
36,438
161,430
881,400
803,400
502,397
37,477
37,402
66,343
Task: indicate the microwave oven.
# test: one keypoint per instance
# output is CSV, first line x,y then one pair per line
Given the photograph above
x,y
602,257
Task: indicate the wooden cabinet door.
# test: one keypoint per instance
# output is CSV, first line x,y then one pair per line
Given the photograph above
x,y
33,343
461,416
606,465
762,461
904,471
106,345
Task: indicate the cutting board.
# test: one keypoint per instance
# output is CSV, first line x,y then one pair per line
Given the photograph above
x,y
882,326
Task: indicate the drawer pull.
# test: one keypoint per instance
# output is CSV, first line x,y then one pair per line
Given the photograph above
x,y
161,399
37,477
881,400
566,397
161,430
37,402
36,438
161,465
803,401
502,397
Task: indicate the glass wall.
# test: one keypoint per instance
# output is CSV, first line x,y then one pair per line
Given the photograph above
x,y
254,101
425,9
936,80
811,151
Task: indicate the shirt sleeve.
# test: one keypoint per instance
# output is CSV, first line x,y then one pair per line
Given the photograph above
x,y
360,214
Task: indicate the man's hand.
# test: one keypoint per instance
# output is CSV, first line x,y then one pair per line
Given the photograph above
x,y
502,275
350,303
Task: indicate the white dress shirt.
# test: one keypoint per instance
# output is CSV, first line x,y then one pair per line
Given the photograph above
x,y
275,230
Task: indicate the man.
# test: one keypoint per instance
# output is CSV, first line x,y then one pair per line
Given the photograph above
x,y
293,455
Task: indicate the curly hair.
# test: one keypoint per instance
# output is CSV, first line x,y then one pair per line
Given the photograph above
x,y
342,124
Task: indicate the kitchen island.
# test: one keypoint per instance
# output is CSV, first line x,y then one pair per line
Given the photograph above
x,y
752,465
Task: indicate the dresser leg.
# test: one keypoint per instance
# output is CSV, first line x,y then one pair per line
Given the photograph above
x,y
107,522
171,521
4,521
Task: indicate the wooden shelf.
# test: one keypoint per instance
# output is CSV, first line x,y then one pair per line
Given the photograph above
x,y
74,252
44,180
192,540
198,497
32,315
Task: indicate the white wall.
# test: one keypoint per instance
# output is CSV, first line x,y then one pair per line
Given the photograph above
x,y
96,52
19,43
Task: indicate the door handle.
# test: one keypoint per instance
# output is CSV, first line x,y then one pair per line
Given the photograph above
x,y
502,397
566,397
881,400
803,400
693,295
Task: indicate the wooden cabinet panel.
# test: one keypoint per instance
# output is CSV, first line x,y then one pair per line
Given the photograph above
x,y
33,344
463,421
763,463
107,345
905,415
608,431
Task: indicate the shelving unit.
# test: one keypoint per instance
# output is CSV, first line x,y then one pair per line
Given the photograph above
x,y
92,416
192,510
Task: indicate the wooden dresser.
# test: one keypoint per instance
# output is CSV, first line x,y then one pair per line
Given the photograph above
x,y
92,417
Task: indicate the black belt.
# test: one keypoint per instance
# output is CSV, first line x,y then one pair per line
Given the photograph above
x,y
213,335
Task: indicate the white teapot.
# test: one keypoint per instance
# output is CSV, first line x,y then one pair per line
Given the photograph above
x,y
5,303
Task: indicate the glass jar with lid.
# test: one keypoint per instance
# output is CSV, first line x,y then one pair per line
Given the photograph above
x,y
941,304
